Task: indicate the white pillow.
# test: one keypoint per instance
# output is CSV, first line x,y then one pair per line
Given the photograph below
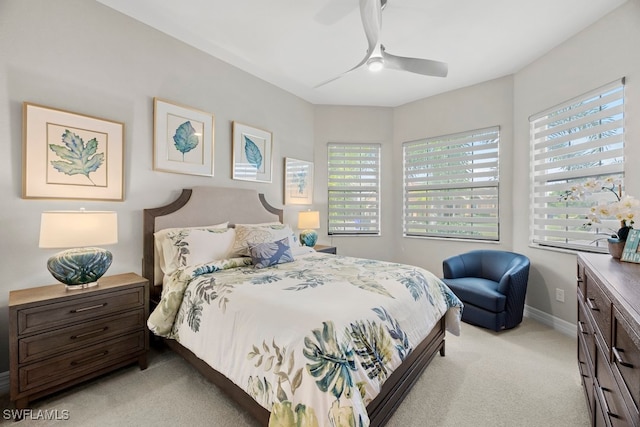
x,y
191,247
252,234
162,243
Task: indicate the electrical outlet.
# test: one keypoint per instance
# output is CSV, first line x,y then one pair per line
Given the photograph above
x,y
559,294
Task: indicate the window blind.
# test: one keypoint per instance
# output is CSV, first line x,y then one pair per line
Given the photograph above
x,y
354,189
451,186
579,140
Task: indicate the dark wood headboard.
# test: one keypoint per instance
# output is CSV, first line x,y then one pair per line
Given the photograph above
x,y
201,206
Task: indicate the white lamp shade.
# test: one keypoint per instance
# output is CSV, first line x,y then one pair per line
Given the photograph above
x,y
73,229
309,220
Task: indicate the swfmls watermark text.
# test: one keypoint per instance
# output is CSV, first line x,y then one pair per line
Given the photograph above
x,y
36,414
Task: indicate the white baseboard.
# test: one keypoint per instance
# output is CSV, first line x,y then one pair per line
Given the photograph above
x,y
4,382
545,318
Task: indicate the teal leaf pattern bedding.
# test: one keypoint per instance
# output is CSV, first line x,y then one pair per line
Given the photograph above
x,y
311,340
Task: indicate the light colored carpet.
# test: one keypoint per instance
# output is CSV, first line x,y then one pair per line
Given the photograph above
x,y
527,376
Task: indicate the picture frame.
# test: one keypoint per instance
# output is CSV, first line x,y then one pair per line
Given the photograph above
x,y
252,153
183,139
69,155
630,252
298,182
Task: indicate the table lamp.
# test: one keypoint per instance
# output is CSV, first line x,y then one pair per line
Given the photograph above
x,y
308,221
81,266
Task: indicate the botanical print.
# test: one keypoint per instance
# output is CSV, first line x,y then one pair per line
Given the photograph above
x,y
183,139
253,149
298,188
69,155
314,357
186,138
252,153
75,156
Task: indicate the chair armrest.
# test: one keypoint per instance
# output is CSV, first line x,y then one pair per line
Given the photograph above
x,y
453,267
516,276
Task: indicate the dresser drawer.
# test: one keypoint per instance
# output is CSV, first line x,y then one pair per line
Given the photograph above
x,y
586,372
599,305
63,340
582,283
611,401
75,364
626,359
586,333
55,315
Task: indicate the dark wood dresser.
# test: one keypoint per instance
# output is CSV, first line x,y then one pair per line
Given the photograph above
x,y
609,338
58,337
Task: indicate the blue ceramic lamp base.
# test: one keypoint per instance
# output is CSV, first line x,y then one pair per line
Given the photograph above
x,y
309,238
80,268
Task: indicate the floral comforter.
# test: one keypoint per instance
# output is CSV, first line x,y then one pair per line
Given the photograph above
x,y
311,340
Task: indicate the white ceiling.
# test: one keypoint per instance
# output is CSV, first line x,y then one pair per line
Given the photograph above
x,y
296,44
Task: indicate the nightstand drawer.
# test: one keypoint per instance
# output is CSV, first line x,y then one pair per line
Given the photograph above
x,y
75,364
50,316
49,344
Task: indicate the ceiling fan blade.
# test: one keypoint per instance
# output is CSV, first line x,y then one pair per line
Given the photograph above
x,y
425,67
371,14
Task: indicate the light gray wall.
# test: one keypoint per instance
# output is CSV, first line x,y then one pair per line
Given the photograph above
x,y
81,56
601,53
84,57
475,107
358,124
604,52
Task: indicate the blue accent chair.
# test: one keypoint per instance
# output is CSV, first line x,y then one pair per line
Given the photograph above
x,y
491,284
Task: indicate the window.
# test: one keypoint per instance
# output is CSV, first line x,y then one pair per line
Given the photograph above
x,y
572,143
451,186
354,189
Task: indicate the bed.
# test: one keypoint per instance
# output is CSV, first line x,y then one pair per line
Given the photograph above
x,y
311,338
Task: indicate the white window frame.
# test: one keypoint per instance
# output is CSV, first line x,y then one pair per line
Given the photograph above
x,y
451,186
572,143
353,189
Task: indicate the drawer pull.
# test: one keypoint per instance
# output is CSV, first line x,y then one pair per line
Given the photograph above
x,y
581,327
591,305
619,360
89,359
605,403
86,334
92,307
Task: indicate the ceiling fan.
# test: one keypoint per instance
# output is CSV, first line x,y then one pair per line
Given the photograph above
x,y
378,58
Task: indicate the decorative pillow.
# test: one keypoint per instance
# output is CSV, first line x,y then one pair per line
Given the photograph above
x,y
250,234
191,247
271,253
160,239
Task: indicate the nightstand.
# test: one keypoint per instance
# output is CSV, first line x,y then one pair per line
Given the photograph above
x,y
59,338
326,249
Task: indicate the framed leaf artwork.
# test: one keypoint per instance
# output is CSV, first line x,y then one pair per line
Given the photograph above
x,y
71,156
298,182
182,139
252,151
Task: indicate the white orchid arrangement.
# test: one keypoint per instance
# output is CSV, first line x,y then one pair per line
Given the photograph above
x,y
626,209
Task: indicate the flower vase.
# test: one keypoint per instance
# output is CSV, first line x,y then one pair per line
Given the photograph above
x,y
616,246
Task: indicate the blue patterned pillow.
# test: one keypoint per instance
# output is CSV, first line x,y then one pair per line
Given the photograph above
x,y
271,253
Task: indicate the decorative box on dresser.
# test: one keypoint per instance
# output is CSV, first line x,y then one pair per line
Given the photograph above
x,y
609,338
60,337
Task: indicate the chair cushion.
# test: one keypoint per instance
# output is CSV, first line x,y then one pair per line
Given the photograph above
x,y
479,292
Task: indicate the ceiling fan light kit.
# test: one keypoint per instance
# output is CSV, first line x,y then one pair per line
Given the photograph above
x,y
376,57
375,63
